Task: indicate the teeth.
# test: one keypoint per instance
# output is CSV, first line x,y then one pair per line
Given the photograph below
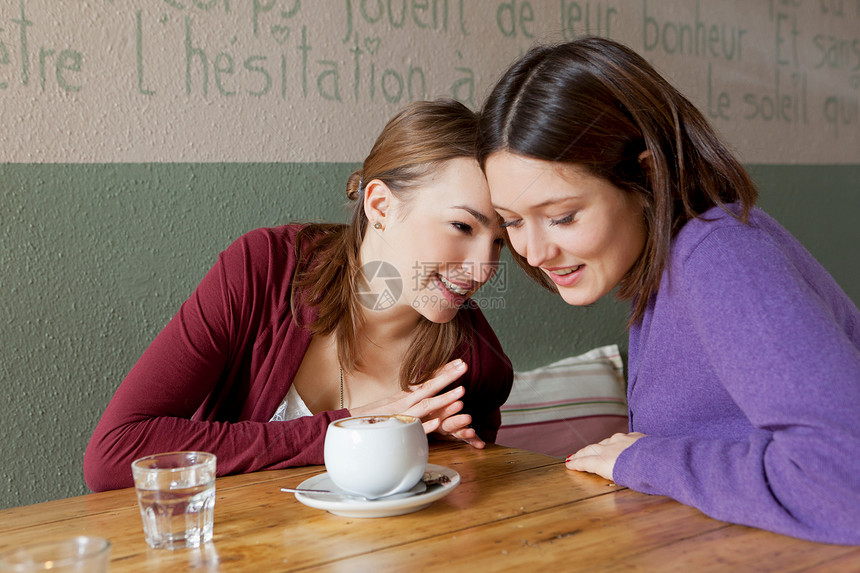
x,y
567,271
452,287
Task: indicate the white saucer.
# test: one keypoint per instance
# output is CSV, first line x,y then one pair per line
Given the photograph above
x,y
384,507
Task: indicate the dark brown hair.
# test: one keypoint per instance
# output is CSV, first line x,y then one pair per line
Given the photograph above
x,y
597,104
413,144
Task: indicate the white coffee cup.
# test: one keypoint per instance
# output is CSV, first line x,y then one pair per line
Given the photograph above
x,y
375,456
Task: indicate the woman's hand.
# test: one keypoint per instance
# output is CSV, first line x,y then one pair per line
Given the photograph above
x,y
437,413
456,428
600,458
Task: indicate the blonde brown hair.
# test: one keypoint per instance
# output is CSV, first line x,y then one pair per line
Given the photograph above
x,y
328,276
597,104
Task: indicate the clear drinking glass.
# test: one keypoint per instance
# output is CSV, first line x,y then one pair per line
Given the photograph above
x,y
176,494
78,554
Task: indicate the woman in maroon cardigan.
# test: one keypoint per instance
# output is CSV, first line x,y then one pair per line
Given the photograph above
x,y
299,325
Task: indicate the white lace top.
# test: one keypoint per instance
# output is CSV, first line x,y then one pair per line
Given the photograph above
x,y
291,407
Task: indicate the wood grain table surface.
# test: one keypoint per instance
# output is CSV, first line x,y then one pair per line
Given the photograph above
x,y
513,511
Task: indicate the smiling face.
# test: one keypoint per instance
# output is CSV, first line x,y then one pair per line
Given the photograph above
x,y
444,240
583,232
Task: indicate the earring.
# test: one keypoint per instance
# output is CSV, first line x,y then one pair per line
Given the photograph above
x,y
377,225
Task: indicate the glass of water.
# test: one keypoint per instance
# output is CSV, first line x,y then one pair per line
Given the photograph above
x,y
74,555
176,494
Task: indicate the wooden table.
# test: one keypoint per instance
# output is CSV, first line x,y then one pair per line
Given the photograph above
x,y
514,510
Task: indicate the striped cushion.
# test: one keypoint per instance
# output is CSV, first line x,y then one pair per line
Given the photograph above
x,y
566,405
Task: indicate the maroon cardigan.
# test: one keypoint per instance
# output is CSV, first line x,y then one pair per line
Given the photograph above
x,y
213,378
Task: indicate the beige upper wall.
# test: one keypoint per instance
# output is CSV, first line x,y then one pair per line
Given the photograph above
x,y
291,80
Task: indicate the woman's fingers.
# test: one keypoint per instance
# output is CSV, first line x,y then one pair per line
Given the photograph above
x,y
447,412
435,404
441,379
423,400
463,431
439,411
458,427
455,423
475,442
431,425
600,458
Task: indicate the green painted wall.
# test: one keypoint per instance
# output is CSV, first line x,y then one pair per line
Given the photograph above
x,y
95,259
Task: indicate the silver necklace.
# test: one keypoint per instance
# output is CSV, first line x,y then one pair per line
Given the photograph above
x,y
341,386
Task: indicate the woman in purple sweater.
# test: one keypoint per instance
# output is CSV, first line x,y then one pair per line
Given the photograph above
x,y
299,325
744,356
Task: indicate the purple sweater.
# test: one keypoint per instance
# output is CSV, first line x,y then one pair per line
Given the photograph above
x,y
214,376
745,376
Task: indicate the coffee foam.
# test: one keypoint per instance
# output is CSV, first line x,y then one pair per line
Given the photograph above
x,y
375,421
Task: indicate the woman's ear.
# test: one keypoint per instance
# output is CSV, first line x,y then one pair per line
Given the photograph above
x,y
377,203
645,160
646,163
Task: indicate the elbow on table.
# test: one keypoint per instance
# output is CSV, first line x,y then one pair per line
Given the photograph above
x,y
822,501
104,471
838,522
